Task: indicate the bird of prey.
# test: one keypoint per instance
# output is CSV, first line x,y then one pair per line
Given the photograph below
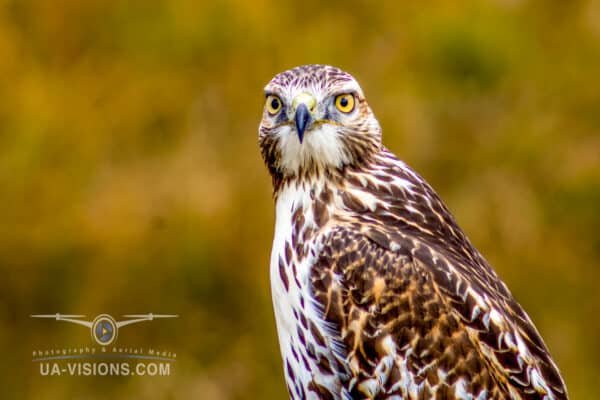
x,y
378,294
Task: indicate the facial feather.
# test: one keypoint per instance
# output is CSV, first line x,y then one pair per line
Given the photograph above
x,y
333,139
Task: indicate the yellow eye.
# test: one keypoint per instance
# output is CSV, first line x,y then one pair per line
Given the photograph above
x,y
273,104
345,102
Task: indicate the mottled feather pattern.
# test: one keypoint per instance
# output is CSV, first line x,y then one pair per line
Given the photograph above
x,y
378,294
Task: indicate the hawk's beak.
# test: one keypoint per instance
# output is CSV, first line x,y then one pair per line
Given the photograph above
x,y
303,105
302,120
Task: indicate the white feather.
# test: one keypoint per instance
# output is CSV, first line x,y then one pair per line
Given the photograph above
x,y
321,145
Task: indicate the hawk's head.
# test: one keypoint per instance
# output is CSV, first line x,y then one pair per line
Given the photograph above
x,y
316,118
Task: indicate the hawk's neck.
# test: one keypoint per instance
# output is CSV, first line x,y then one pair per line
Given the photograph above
x,y
382,194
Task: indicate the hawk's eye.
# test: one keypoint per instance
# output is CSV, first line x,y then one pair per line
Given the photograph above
x,y
345,102
273,104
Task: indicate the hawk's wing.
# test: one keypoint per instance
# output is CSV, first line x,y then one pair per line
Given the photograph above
x,y
419,322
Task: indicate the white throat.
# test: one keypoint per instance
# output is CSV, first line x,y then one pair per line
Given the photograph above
x,y
321,146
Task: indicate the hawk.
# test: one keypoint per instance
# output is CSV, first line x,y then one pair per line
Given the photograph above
x,y
378,294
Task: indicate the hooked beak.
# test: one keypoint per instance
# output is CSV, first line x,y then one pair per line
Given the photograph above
x,y
302,119
304,104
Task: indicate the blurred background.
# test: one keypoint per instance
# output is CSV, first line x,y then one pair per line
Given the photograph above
x,y
131,181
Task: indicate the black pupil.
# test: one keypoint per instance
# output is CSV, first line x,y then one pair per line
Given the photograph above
x,y
344,101
274,104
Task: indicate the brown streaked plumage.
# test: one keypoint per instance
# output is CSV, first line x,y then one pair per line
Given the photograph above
x,y
377,292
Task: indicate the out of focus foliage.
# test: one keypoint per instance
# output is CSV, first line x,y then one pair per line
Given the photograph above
x,y
131,181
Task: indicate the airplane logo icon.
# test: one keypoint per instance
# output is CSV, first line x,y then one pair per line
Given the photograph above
x,y
104,328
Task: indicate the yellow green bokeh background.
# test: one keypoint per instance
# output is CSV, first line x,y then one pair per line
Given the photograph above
x,y
131,181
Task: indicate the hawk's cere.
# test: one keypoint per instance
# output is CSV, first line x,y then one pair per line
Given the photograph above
x,y
378,293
